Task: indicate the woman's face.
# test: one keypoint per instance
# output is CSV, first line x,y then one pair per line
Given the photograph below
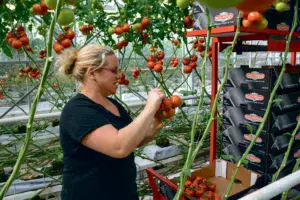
x,y
107,76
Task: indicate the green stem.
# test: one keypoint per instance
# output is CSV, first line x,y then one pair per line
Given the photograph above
x,y
189,160
34,106
287,153
266,115
285,194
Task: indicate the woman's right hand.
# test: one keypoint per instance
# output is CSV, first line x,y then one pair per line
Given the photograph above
x,y
154,99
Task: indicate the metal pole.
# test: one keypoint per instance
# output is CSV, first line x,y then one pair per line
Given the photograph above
x,y
276,188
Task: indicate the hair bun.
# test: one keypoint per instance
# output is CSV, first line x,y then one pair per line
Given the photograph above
x,y
67,61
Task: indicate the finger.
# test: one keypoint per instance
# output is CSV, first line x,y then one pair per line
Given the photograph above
x,y
159,126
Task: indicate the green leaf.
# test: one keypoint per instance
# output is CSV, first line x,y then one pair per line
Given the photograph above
x,y
245,162
288,134
250,128
138,51
278,100
187,172
177,179
6,50
227,156
160,45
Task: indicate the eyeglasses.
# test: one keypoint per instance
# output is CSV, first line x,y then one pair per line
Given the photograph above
x,y
114,71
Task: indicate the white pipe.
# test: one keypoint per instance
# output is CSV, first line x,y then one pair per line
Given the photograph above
x,y
57,114
275,188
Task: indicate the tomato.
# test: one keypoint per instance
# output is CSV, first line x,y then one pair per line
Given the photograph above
x,y
199,193
36,8
193,65
151,64
51,4
167,104
185,61
217,197
245,15
20,29
24,40
187,70
91,27
169,114
9,35
193,58
28,69
126,28
160,55
10,41
111,30
190,193
187,182
250,5
150,58
70,34
21,70
247,23
16,44
71,2
212,187
202,40
66,43
188,21
137,27
55,85
118,30
176,100
183,3
263,24
44,6
145,22
255,17
58,48
160,62
280,6
66,16
126,82
221,3
158,68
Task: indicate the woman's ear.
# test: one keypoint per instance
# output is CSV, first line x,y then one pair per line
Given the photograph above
x,y
90,73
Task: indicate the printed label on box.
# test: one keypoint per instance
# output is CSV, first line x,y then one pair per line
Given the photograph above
x,y
250,137
224,16
252,158
255,75
253,117
254,97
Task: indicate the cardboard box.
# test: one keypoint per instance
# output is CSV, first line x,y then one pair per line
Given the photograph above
x,y
244,117
219,17
220,173
258,99
265,78
265,143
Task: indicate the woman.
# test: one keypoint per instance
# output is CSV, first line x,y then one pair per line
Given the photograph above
x,y
97,135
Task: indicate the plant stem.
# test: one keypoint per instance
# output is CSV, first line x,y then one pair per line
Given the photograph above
x,y
34,106
266,115
187,166
287,153
285,194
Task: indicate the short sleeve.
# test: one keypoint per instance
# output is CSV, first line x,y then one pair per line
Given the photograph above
x,y
82,120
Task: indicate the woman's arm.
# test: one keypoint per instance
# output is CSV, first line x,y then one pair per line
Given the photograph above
x,y
120,143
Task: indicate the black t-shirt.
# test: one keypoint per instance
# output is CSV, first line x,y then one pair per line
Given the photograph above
x,y
89,174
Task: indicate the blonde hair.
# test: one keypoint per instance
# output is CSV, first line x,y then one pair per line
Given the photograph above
x,y
76,62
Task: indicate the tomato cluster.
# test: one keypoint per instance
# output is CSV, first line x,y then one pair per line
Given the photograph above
x,y
29,71
153,48
39,9
189,63
43,53
200,189
63,40
136,73
199,45
121,44
188,21
17,39
121,29
174,62
86,29
254,20
1,94
142,25
56,85
155,62
122,79
175,42
167,107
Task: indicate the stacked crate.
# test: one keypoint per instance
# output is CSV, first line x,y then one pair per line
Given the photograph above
x,y
245,101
